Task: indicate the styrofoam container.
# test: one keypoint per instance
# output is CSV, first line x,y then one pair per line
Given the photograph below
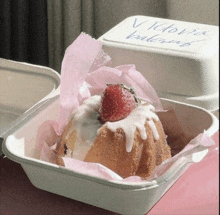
x,y
22,87
121,197
179,59
116,196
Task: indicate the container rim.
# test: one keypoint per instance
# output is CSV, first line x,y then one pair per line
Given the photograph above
x,y
112,183
42,71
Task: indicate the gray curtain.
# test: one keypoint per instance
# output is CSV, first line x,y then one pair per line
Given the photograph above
x,y
23,31
66,19
39,31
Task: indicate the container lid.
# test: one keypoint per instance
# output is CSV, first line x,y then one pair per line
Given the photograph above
x,y
179,59
164,35
23,86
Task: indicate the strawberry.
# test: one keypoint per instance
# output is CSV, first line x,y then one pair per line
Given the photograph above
x,y
117,102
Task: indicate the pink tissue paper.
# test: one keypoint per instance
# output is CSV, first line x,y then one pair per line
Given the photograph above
x,y
85,72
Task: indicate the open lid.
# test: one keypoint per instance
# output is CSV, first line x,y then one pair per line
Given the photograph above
x,y
24,87
179,59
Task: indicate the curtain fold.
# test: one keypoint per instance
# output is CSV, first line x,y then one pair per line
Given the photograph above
x,y
23,31
5,29
109,13
19,30
55,39
64,24
66,19
39,31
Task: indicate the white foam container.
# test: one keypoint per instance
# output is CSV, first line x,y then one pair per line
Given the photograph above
x,y
23,88
179,59
123,198
163,63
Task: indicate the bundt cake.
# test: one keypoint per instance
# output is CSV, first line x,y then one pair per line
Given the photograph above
x,y
118,131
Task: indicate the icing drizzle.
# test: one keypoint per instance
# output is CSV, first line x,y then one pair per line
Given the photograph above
x,y
86,123
136,120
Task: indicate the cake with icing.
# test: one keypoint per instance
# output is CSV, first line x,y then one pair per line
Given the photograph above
x,y
118,131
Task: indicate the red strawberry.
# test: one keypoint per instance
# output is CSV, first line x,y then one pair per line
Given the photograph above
x,y
117,103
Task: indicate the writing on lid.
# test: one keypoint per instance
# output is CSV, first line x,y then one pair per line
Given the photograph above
x,y
164,34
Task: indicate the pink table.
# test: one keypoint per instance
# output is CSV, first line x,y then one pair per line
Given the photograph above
x,y
195,193
197,190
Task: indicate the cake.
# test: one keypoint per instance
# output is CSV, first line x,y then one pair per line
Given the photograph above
x,y
117,130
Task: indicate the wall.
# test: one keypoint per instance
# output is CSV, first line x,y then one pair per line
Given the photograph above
x,y
199,11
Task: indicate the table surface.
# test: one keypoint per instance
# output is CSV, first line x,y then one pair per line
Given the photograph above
x,y
196,192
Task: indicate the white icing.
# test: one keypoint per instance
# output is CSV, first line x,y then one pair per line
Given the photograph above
x,y
136,120
85,121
